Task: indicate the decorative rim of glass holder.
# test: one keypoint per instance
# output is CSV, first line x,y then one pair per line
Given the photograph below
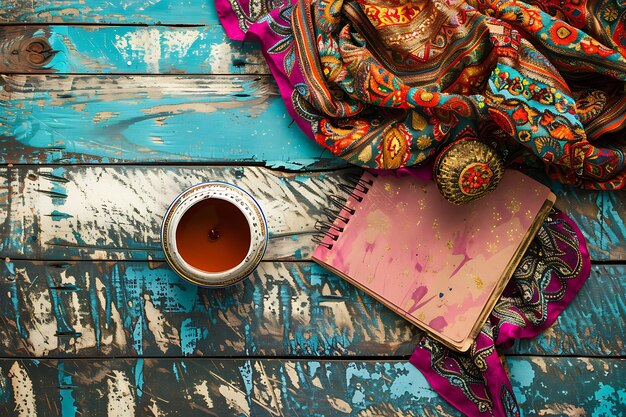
x,y
240,199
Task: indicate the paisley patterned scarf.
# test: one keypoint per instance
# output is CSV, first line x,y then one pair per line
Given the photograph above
x,y
551,272
385,84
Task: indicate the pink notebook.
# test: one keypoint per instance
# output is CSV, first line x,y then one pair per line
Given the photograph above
x,y
440,266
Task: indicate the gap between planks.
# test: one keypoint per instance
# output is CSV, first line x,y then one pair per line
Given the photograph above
x,y
62,262
179,164
292,358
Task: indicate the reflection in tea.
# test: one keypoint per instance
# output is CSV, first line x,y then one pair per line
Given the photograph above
x,y
213,235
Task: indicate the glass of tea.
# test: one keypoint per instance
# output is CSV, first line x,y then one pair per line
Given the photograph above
x,y
214,234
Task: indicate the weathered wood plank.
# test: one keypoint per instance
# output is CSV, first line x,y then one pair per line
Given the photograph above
x,y
613,225
64,212
166,12
593,325
272,387
118,119
601,217
127,49
137,308
105,212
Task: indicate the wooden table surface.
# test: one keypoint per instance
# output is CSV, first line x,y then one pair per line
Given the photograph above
x,y
108,109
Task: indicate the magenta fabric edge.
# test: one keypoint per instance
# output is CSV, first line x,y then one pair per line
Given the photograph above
x,y
421,358
461,403
285,85
285,93
229,21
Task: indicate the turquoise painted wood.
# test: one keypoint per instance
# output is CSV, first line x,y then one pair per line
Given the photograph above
x,y
118,119
592,325
130,49
178,119
545,386
600,215
138,308
99,309
156,83
613,224
165,12
69,212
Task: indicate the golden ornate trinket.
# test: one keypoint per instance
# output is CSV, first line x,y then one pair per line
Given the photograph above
x,y
467,170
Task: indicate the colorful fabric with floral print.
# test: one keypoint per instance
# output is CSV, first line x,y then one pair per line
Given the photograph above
x,y
391,83
550,274
385,84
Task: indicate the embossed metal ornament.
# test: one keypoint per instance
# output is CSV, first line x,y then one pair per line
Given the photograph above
x,y
467,170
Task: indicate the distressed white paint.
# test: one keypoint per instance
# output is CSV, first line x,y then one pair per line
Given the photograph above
x,y
23,393
203,107
43,324
143,44
4,178
222,55
154,409
177,42
292,373
236,399
203,391
265,321
264,393
82,317
339,313
541,363
164,333
564,409
301,307
86,88
16,191
110,206
113,333
120,395
339,405
317,382
272,321
101,202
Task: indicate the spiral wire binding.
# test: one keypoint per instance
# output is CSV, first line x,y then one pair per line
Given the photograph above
x,y
355,187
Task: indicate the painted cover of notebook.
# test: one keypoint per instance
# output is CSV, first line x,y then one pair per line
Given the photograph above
x,y
440,266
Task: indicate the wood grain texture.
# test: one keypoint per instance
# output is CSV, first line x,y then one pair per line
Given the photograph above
x,y
123,308
132,49
144,309
165,12
91,212
115,212
592,325
120,119
132,309
613,225
544,386
24,50
600,215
